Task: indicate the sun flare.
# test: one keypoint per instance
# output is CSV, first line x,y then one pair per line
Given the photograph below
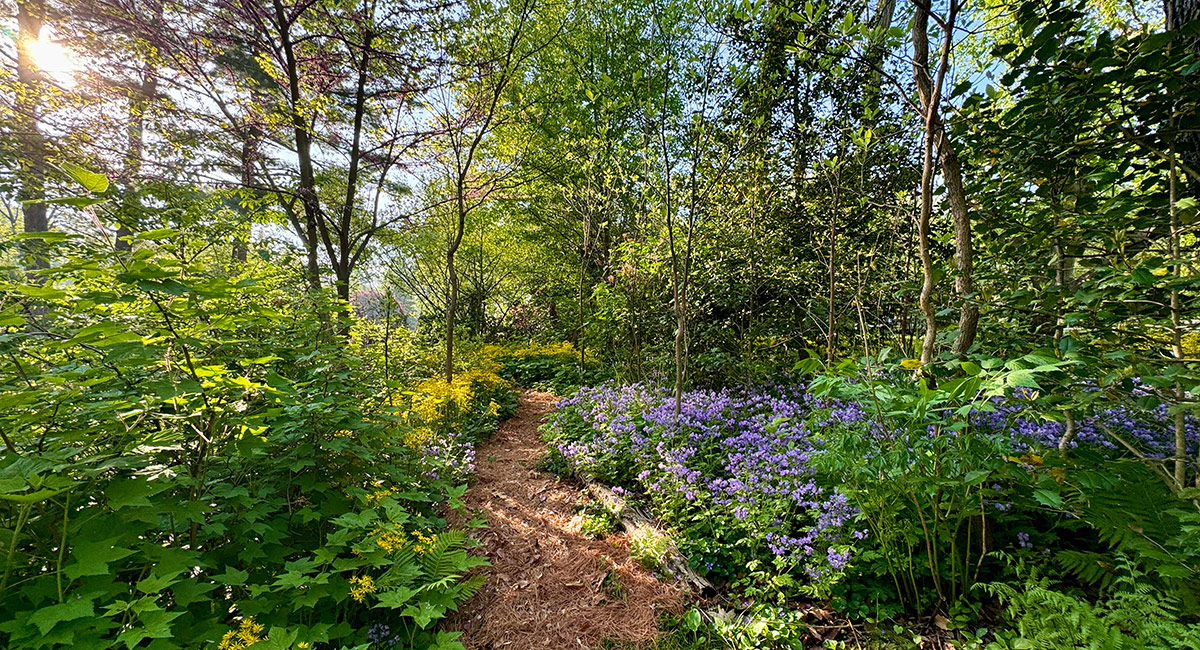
x,y
53,59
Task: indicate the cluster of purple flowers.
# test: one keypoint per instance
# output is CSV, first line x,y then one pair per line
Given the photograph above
x,y
1152,430
452,456
743,454
381,635
743,459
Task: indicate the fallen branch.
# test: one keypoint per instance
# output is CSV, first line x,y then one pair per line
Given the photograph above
x,y
635,522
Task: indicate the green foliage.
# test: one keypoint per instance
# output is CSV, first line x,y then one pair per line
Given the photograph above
x,y
553,368
919,475
1137,522
649,547
758,628
596,520
193,453
1131,614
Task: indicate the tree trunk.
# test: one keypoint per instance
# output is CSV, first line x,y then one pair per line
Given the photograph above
x,y
313,218
139,102
924,86
249,153
929,90
968,318
583,256
1179,421
880,22
32,169
452,273
830,335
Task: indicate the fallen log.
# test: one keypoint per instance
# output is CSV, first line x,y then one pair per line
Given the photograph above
x,y
636,522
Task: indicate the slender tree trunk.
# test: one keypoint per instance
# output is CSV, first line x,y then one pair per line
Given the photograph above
x,y
249,153
1181,454
1064,269
307,188
880,22
452,272
830,335
139,102
925,87
30,88
968,318
929,90
342,265
583,256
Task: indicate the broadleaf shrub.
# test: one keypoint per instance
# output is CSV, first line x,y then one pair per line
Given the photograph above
x,y
196,459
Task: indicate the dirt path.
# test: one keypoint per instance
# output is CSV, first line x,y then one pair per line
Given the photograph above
x,y
549,586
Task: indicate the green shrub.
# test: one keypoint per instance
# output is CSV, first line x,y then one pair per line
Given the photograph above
x,y
923,480
552,368
1131,615
196,457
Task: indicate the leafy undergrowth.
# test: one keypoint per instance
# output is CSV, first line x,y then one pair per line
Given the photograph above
x,y
553,368
898,503
196,459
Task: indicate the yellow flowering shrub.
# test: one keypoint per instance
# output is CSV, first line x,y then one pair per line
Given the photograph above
x,y
437,406
557,351
1191,345
553,366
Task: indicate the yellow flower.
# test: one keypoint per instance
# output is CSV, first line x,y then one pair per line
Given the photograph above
x,y
376,497
360,586
911,364
424,543
303,645
247,634
418,437
389,540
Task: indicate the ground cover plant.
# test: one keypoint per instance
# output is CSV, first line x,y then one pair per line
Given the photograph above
x,y
558,368
890,500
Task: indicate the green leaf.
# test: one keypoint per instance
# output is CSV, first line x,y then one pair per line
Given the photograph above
x,y
394,598
153,583
154,235
131,493
46,618
1048,498
1022,378
233,577
89,180
278,638
33,497
93,558
424,613
975,477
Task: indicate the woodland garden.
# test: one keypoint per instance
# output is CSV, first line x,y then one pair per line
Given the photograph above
x,y
645,324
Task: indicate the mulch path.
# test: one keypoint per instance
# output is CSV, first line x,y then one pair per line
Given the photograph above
x,y
549,586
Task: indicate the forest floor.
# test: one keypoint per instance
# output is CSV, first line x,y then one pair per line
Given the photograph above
x,y
549,586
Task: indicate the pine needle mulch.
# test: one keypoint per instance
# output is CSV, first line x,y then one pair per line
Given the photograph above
x,y
549,586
